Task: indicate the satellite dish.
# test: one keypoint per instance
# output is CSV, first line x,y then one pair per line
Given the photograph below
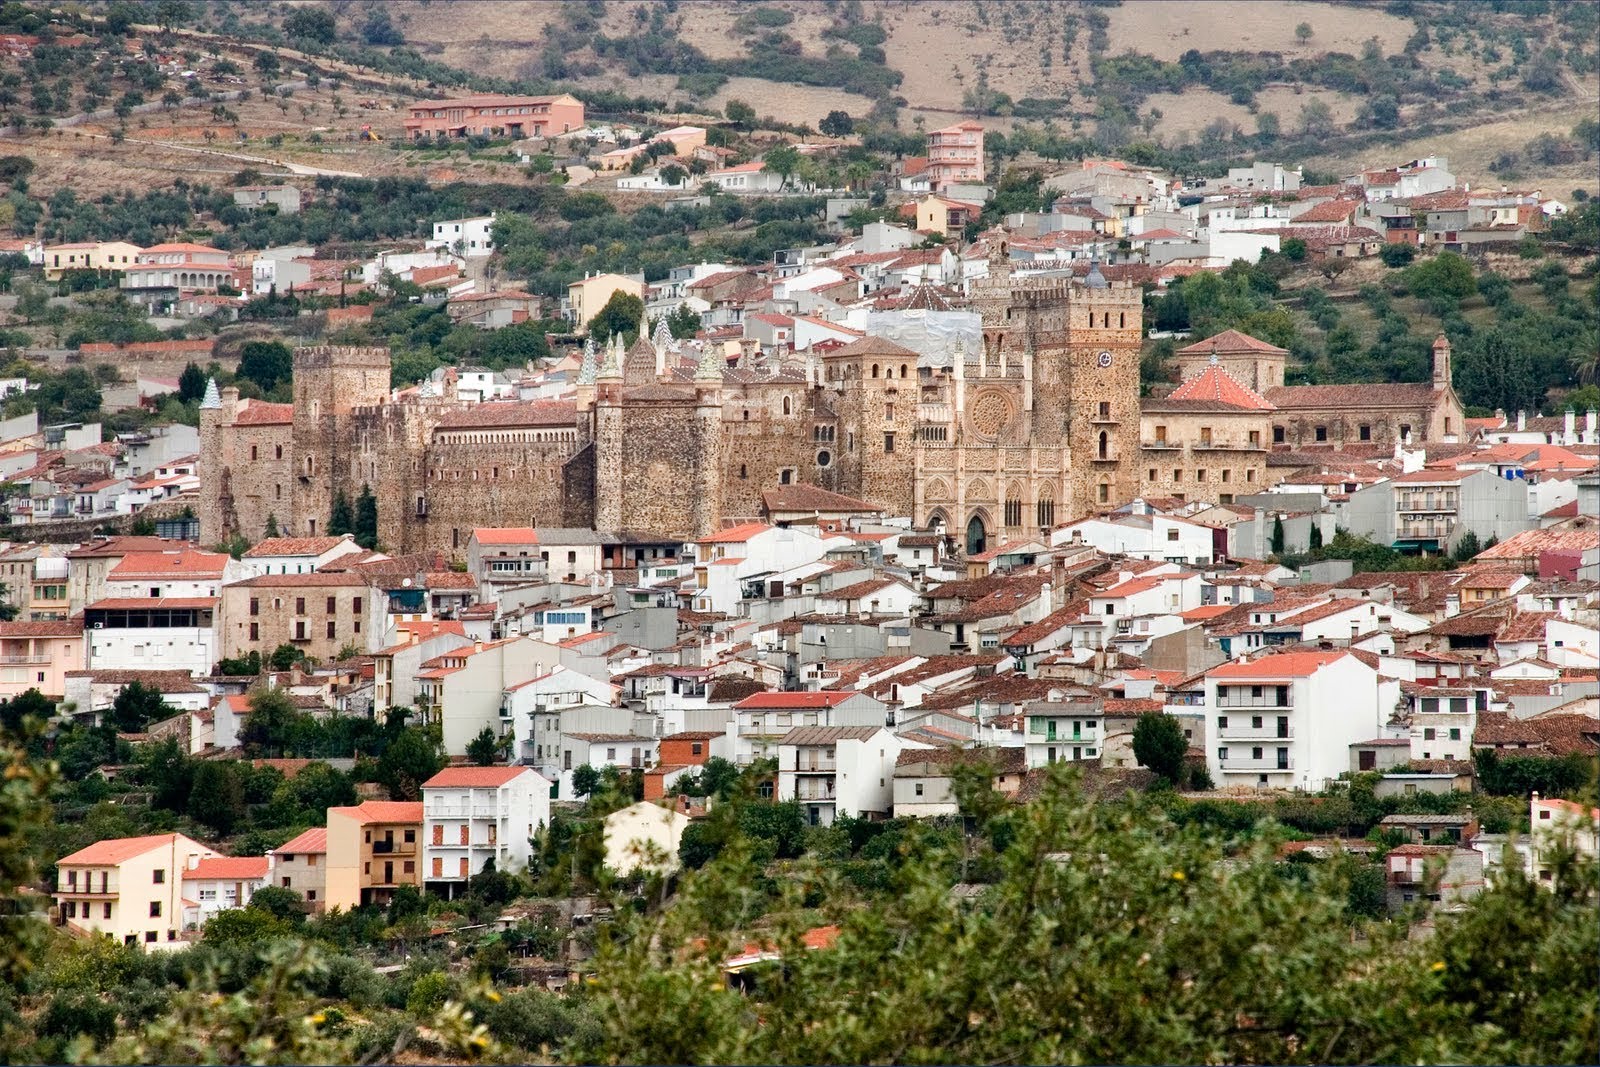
x,y
406,583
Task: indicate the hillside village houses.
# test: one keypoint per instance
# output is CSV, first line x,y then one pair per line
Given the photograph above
x,y
897,504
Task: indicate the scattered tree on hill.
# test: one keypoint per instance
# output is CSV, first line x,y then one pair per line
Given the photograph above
x,y
216,798
585,780
267,728
379,31
311,23
1316,118
740,113
1159,744
30,704
837,124
782,160
1302,33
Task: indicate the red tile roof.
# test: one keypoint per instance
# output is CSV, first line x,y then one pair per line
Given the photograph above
x,y
1228,342
1216,384
383,811
736,535
1284,665
111,852
1330,211
292,546
313,840
474,777
228,868
180,563
59,628
261,413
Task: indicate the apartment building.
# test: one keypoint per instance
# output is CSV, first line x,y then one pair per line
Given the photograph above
x,y
494,115
38,655
1287,721
763,720
1431,510
373,849
1060,732
318,613
838,770
955,155
128,888
474,816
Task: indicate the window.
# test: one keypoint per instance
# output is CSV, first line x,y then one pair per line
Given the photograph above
x,y
411,837
255,631
1428,734
695,748
919,789
150,936
1172,534
1278,435
1322,433
331,626
1455,733
255,606
888,442
1105,493
159,877
1405,430
355,605
155,909
1222,722
1105,411
1222,753
106,914
299,605
332,606
1365,433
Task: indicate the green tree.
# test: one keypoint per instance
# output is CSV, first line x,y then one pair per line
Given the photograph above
x,y
279,902
191,383
484,749
621,315
29,704
266,363
1468,546
1314,541
342,519
137,706
1397,254
270,723
740,113
366,518
1302,33
1277,535
585,780
409,760
1159,744
683,323
217,797
1316,118
837,124
313,24
782,160
1446,277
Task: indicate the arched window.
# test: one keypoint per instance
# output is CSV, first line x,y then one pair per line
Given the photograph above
x,y
786,405
902,370
1105,445
1045,513
977,536
1013,513
874,370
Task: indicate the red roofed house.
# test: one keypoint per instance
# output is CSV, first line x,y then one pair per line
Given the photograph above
x,y
221,882
505,554
491,115
1206,440
373,849
749,562
130,889
300,865
297,555
1339,415
1287,721
38,655
764,720
161,272
476,815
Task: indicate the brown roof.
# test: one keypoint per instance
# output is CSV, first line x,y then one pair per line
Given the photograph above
x,y
314,579
872,346
1011,759
1552,734
72,627
495,413
262,413
1314,397
1229,342
803,497
292,546
827,735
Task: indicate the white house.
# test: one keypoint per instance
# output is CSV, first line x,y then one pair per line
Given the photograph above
x,y
763,720
296,555
644,836
745,178
219,883
1064,731
1557,824
535,709
1156,537
160,633
838,770
1288,720
749,561
464,237
472,816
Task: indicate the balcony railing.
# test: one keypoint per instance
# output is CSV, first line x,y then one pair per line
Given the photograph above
x,y
1266,765
23,661
393,848
1269,732
1265,700
814,791
816,766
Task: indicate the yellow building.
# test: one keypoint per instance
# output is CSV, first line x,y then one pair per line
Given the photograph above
x,y
373,849
88,255
943,216
587,297
129,888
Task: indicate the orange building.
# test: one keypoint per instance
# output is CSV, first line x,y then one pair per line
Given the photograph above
x,y
373,849
494,116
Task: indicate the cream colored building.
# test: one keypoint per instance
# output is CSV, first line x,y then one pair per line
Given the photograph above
x,y
1207,440
644,836
88,255
373,849
586,297
300,865
128,888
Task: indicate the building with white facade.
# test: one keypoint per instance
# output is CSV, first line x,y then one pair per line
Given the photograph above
x,y
644,836
296,555
218,883
749,561
1287,721
474,816
464,237
838,770
763,720
128,888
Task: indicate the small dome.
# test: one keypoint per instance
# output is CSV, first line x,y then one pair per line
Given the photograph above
x,y
1095,280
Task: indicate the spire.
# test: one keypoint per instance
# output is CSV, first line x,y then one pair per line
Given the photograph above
x,y
612,367
212,400
588,369
711,364
644,323
662,338
1095,280
960,356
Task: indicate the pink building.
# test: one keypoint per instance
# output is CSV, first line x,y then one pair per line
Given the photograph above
x,y
494,116
38,655
955,155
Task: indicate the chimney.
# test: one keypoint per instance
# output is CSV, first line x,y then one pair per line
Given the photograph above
x,y
1522,421
1569,427
1452,605
1589,419
1259,549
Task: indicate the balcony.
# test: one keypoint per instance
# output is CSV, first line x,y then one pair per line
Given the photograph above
x,y
23,661
394,848
464,811
1265,765
1245,700
814,791
1265,732
816,766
